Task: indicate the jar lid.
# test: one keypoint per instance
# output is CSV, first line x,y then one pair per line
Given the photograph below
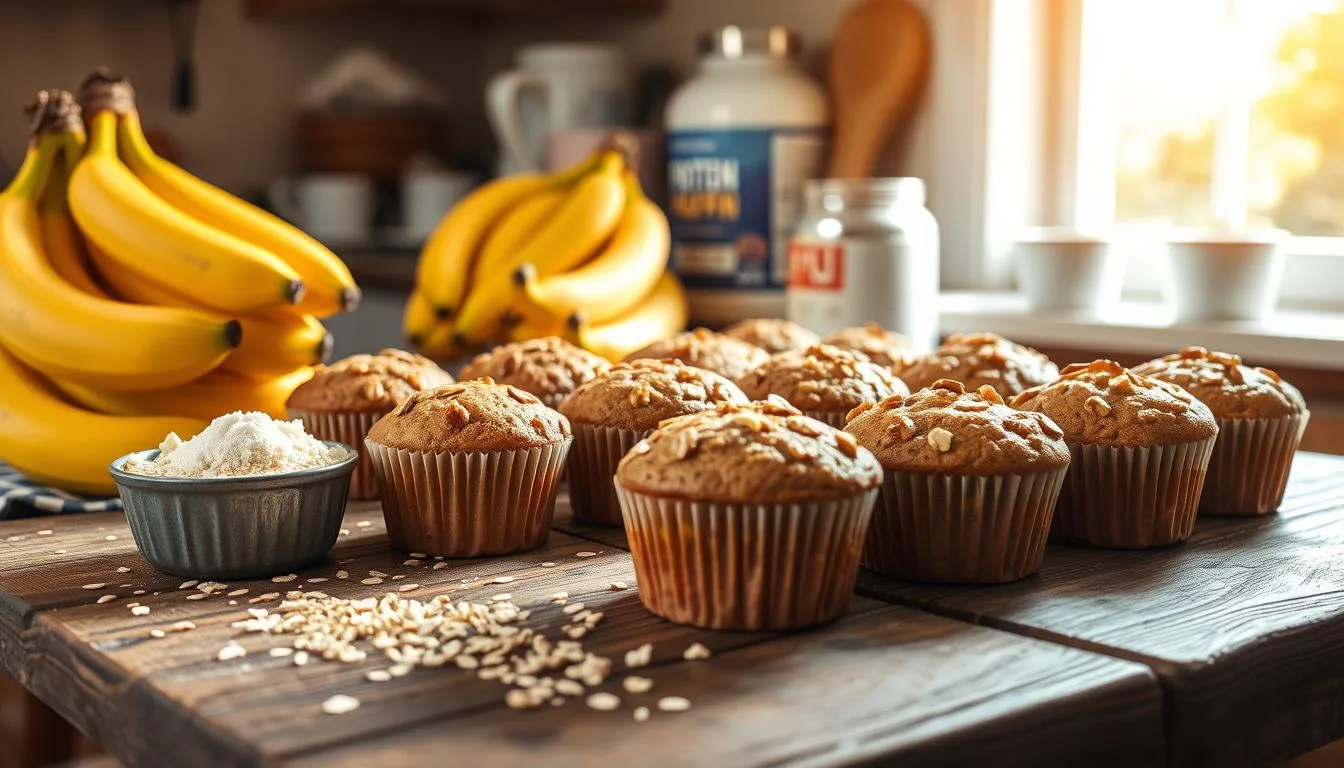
x,y
733,42
838,193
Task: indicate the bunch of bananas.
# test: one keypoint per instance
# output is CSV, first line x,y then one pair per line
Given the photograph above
x,y
137,300
581,253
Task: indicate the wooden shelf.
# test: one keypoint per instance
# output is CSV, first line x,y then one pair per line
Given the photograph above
x,y
277,8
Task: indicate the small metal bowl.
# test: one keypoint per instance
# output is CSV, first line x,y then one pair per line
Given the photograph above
x,y
235,527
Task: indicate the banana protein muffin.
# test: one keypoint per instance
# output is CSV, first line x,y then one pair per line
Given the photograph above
x,y
747,517
469,469
969,485
772,334
549,368
342,401
822,381
703,348
976,359
880,345
1140,448
620,407
1261,419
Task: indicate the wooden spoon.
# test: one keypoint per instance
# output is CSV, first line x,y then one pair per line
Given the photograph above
x,y
878,63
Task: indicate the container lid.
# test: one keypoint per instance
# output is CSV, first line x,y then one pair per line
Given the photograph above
x,y
836,194
733,42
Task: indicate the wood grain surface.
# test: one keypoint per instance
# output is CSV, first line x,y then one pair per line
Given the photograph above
x,y
1243,624
885,683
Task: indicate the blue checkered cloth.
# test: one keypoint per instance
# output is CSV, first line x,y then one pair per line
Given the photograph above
x,y
21,497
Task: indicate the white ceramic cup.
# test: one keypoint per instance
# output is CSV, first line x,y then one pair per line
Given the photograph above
x,y
335,208
1061,268
556,87
426,196
1225,275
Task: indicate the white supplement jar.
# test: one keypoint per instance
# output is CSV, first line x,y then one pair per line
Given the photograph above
x,y
743,136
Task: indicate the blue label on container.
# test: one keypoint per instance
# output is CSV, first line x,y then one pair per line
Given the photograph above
x,y
733,196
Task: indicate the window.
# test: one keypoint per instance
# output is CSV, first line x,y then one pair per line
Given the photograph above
x,y
1200,113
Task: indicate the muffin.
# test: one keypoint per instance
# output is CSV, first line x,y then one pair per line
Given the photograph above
x,y
747,517
730,358
549,368
469,469
1260,417
1140,448
977,359
620,407
822,381
772,335
969,485
343,400
880,345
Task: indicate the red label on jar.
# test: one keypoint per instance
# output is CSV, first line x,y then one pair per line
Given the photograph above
x,y
819,266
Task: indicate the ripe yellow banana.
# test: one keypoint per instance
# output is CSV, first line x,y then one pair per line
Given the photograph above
x,y
61,240
517,227
525,329
159,242
419,320
614,282
271,344
211,396
583,222
62,331
659,315
68,447
329,287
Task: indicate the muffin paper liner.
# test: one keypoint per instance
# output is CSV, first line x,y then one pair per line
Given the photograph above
x,y
351,429
468,504
962,529
1120,497
834,418
592,465
1251,461
746,567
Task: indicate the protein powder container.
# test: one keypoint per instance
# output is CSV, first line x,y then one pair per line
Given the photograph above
x,y
743,136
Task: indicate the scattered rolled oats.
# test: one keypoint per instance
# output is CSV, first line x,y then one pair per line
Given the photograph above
x,y
106,599
122,569
408,587
696,652
585,554
98,585
231,651
157,634
140,610
604,702
285,579
641,714
673,704
378,676
300,658
639,657
617,586
280,653
573,608
636,684
371,580
340,704
503,579
548,564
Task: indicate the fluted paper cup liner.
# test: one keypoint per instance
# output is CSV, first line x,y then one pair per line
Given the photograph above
x,y
1119,497
351,429
746,567
962,529
1251,460
468,504
834,418
592,465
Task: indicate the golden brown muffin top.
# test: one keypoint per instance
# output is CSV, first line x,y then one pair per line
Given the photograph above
x,y
549,368
703,348
641,393
822,378
880,345
945,429
772,334
1230,389
976,359
760,453
367,383
1102,403
477,416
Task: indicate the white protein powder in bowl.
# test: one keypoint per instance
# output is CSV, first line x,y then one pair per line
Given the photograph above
x,y
238,444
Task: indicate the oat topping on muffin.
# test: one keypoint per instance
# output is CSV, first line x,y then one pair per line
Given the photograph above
x,y
822,378
976,359
475,416
759,453
368,383
549,368
880,345
641,393
1103,403
1230,389
945,428
703,348
771,334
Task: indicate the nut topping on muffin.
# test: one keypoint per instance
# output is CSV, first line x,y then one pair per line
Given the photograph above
x,y
367,383
822,378
977,359
1229,388
475,416
772,335
703,348
877,343
641,393
550,368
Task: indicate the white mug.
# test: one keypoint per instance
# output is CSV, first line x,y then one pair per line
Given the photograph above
x,y
556,87
426,196
335,208
1225,275
1062,268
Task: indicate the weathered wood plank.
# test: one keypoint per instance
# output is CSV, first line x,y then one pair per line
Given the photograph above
x,y
1244,624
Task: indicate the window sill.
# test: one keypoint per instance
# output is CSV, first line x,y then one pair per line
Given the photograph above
x,y
1307,339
